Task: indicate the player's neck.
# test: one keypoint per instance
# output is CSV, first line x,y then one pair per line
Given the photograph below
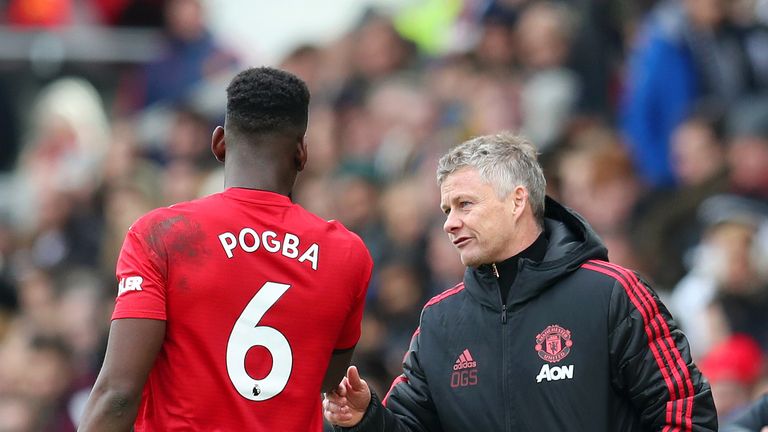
x,y
269,168
267,183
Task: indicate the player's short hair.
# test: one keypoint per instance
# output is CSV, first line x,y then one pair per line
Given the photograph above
x,y
264,100
504,161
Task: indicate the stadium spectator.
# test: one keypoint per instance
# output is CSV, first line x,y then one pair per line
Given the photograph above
x,y
726,290
686,54
18,413
732,368
597,179
754,419
748,148
550,91
191,58
664,226
62,154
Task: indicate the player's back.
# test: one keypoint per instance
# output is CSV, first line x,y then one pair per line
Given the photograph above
x,y
256,293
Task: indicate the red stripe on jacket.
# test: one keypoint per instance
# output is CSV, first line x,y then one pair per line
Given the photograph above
x,y
648,308
686,379
673,348
434,300
398,380
445,294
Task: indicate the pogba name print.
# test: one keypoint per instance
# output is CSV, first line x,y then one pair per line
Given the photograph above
x,y
288,245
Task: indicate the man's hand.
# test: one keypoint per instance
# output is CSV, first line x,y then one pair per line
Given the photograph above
x,y
346,405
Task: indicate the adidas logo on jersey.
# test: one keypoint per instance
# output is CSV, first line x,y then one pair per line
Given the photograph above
x,y
554,373
465,361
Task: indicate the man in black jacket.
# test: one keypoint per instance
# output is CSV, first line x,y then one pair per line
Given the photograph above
x,y
544,334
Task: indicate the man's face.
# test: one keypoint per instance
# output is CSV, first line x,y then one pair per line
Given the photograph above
x,y
480,225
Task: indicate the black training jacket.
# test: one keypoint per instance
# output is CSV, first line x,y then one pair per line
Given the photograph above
x,y
580,344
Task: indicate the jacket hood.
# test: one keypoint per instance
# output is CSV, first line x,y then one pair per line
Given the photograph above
x,y
571,242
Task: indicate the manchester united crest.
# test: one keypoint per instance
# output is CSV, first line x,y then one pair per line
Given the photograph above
x,y
554,343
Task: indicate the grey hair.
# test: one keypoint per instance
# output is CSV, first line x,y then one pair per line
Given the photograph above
x,y
504,161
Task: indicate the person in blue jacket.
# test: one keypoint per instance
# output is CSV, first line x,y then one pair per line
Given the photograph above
x,y
686,55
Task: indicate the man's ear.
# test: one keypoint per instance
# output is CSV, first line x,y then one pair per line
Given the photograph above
x,y
301,153
519,198
218,144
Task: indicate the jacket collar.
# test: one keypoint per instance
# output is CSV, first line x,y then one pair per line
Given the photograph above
x,y
570,242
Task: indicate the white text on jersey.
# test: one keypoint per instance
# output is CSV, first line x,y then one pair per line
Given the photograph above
x,y
131,283
289,245
554,373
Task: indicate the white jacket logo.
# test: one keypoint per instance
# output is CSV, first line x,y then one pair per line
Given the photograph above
x,y
554,373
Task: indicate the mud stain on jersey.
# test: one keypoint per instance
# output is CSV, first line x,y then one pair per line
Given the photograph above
x,y
177,238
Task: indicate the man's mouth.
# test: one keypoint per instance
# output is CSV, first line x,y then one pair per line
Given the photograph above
x,y
461,241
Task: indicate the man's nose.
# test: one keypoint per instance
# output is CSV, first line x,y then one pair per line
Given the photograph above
x,y
452,223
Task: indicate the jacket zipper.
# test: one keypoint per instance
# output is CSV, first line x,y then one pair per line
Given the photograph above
x,y
504,377
503,303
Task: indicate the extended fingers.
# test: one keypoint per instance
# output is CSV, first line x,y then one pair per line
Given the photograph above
x,y
353,379
336,410
341,390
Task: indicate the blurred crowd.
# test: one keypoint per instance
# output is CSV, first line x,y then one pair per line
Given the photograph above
x,y
651,118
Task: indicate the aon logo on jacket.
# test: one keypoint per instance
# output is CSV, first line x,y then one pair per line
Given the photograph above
x,y
554,373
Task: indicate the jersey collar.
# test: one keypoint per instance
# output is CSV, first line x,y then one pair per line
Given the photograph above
x,y
257,195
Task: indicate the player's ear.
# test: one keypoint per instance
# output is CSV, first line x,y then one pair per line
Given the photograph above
x,y
218,145
301,153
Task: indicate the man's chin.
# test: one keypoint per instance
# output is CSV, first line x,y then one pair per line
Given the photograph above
x,y
469,261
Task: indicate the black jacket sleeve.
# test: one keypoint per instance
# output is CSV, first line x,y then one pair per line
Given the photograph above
x,y
409,407
651,362
753,419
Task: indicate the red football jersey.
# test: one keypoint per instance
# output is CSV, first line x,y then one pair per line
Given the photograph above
x,y
256,293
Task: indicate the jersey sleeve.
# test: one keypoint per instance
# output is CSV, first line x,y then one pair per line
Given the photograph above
x,y
141,283
350,332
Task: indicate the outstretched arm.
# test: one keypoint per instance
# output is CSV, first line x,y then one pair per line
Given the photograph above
x,y
409,407
131,351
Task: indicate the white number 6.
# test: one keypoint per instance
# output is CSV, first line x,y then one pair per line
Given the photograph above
x,y
247,334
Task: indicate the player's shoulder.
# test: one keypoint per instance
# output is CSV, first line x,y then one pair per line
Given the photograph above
x,y
165,217
330,229
337,228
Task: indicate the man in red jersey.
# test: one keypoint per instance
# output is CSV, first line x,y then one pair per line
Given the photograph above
x,y
236,310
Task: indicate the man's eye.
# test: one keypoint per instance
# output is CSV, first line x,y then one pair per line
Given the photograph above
x,y
447,211
465,204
